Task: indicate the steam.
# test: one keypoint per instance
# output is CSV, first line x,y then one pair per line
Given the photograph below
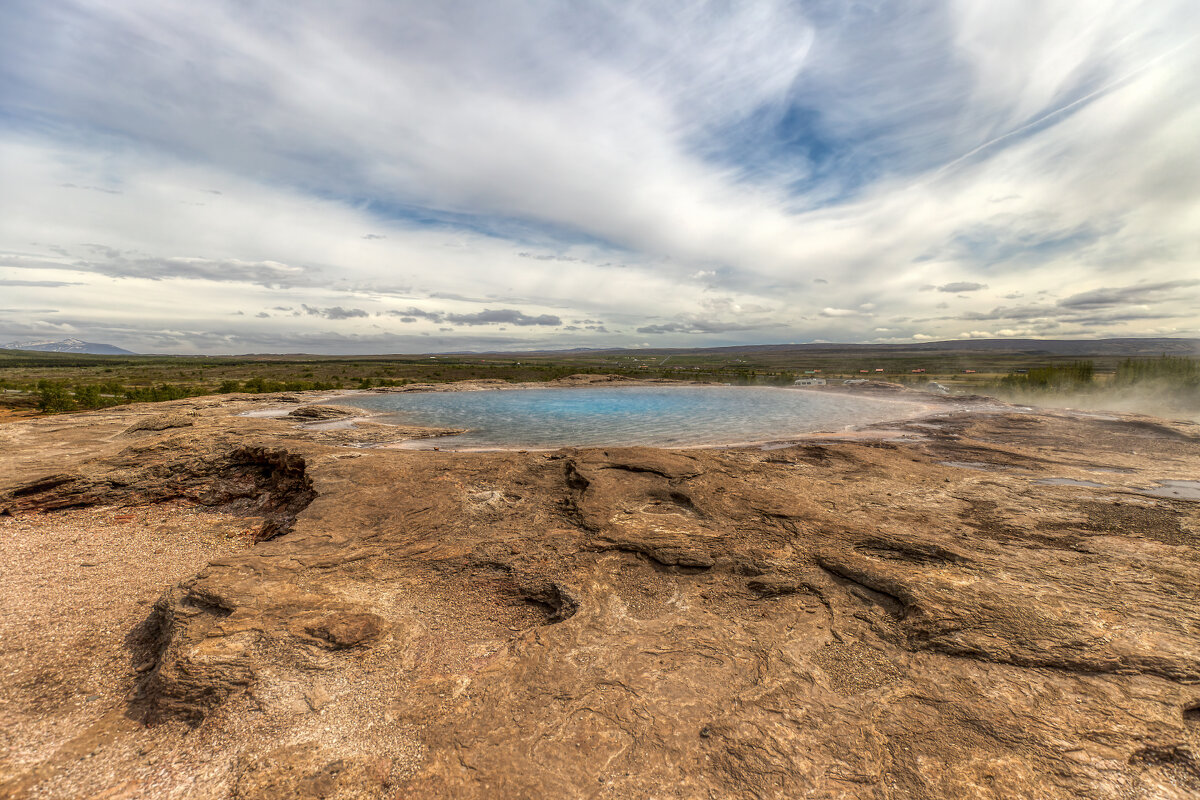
x,y
1155,399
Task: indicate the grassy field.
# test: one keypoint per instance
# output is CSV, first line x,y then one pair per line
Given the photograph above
x,y
48,382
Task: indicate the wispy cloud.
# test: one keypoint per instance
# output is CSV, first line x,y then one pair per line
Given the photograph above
x,y
697,324
1128,295
41,284
961,286
620,161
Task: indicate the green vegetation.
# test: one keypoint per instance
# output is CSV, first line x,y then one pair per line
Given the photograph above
x,y
54,397
1070,378
1173,371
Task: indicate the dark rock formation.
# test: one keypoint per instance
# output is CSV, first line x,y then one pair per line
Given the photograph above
x,y
323,412
161,422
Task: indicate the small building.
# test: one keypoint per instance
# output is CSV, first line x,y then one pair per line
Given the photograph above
x,y
809,382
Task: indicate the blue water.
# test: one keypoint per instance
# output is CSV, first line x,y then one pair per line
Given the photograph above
x,y
622,415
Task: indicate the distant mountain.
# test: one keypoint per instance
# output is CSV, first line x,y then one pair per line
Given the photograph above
x,y
70,346
1028,347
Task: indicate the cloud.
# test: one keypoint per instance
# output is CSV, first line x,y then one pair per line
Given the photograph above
x,y
47,284
1012,312
697,325
506,316
411,314
1126,295
502,315
267,273
521,155
961,286
91,188
336,312
546,257
1021,238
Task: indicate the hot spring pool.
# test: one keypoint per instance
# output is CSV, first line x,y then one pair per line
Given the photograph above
x,y
666,416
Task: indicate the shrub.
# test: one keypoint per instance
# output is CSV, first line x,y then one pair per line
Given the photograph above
x,y
89,396
164,391
53,397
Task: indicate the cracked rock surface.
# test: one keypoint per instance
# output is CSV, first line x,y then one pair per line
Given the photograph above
x,y
905,615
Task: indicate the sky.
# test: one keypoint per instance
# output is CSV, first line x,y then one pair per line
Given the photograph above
x,y
374,176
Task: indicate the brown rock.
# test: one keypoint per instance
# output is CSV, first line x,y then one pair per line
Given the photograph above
x,y
304,772
775,586
324,412
160,422
346,630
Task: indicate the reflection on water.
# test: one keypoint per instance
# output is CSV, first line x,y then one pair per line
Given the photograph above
x,y
1180,490
982,466
1071,482
655,415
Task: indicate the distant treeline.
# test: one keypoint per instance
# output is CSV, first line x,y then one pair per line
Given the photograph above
x,y
59,396
1173,370
1070,377
264,386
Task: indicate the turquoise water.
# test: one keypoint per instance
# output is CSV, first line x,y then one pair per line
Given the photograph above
x,y
613,415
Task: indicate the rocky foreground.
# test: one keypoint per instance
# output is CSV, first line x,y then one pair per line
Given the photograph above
x,y
205,605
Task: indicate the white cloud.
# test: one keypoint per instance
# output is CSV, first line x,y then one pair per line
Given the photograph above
x,y
617,161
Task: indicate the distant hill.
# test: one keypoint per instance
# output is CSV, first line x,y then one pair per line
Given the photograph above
x,y
1030,347
70,346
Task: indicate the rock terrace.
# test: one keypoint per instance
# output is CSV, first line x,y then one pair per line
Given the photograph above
x,y
909,614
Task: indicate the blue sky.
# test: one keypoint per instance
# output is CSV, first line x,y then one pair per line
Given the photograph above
x,y
404,177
